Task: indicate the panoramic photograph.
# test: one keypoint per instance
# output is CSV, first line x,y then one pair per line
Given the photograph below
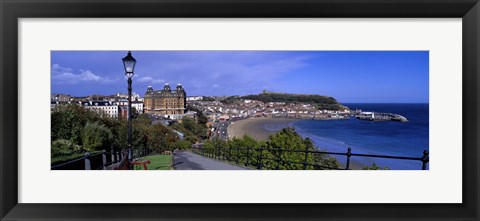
x,y
239,110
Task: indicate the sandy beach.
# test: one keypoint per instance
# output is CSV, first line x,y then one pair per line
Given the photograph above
x,y
258,128
261,128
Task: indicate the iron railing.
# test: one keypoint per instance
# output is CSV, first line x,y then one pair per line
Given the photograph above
x,y
99,161
254,157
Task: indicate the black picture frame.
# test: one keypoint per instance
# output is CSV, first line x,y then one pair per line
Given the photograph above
x,y
12,10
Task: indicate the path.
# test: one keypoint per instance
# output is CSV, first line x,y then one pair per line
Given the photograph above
x,y
186,160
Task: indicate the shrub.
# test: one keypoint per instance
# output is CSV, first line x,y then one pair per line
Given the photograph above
x,y
63,147
374,166
96,136
183,145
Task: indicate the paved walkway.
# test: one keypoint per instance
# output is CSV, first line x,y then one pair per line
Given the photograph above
x,y
186,160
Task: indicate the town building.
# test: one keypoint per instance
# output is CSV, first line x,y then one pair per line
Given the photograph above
x,y
54,104
123,112
194,98
111,105
138,106
108,108
61,98
121,96
166,103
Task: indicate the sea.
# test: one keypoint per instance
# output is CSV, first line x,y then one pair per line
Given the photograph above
x,y
391,138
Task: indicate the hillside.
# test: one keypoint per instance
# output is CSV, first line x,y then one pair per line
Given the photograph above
x,y
322,102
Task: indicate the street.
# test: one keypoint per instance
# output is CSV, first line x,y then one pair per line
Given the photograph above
x,y
221,130
186,160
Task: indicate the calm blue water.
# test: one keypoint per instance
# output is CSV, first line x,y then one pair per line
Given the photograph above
x,y
385,137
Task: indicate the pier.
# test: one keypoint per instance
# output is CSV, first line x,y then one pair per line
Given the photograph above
x,y
377,116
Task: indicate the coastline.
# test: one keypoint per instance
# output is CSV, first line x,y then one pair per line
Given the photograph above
x,y
261,128
257,127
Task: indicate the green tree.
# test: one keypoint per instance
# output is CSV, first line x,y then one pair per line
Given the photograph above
x,y
96,136
189,124
294,151
323,102
140,133
288,139
208,98
192,130
208,148
286,150
219,147
243,150
183,145
374,166
215,148
202,119
161,138
68,121
63,147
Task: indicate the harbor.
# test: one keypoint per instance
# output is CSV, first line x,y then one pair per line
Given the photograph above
x,y
378,116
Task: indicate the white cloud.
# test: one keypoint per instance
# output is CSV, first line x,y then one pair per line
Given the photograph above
x,y
242,74
64,75
58,68
149,79
223,72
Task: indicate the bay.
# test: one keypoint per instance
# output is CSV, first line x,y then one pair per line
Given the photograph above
x,y
367,137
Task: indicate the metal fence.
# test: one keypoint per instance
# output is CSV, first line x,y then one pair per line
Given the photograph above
x,y
256,157
99,161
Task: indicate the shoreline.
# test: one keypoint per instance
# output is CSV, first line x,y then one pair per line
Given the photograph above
x,y
257,128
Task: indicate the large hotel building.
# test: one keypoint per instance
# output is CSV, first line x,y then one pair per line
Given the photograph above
x,y
166,102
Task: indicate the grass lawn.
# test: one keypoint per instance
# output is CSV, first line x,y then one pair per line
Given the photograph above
x,y
157,162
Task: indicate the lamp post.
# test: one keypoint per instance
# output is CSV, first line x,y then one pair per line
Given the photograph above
x,y
129,65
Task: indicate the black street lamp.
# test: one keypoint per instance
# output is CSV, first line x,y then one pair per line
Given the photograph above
x,y
129,65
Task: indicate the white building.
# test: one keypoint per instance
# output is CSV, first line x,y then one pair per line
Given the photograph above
x,y
138,106
191,114
108,108
125,96
194,98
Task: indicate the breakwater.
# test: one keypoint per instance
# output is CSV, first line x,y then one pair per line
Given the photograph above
x,y
378,116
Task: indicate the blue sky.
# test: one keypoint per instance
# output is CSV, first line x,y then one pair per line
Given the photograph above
x,y
348,76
